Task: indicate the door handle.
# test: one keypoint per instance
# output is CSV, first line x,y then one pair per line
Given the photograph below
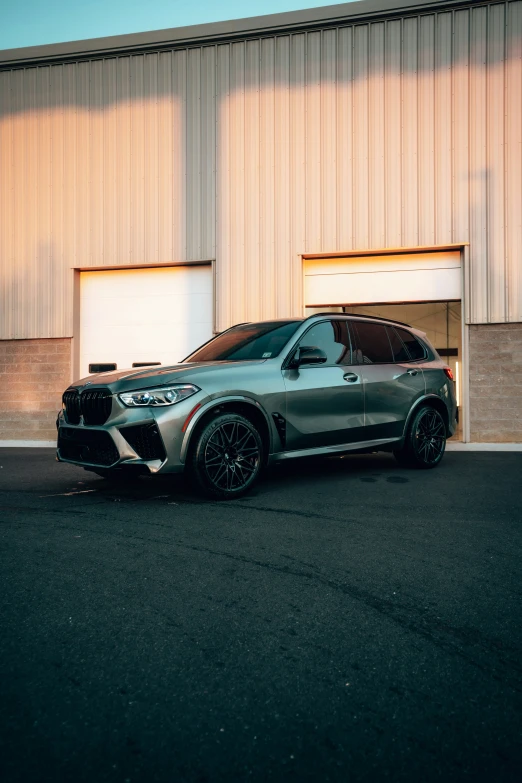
x,y
412,372
350,377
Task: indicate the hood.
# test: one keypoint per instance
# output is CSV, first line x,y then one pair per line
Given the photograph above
x,y
147,378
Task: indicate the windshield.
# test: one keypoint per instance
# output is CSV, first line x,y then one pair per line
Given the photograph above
x,y
247,342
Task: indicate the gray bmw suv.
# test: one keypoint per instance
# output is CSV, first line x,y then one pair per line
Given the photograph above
x,y
262,392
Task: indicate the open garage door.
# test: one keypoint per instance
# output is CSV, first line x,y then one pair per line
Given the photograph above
x,y
421,289
407,277
132,317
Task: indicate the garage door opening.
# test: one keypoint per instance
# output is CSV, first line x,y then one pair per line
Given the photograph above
x,y
420,289
143,317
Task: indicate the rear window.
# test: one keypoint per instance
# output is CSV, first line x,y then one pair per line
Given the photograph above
x,y
415,349
400,354
373,346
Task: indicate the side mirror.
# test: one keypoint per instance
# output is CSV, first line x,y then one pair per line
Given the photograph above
x,y
308,354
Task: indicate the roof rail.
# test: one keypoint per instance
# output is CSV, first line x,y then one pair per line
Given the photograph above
x,y
361,315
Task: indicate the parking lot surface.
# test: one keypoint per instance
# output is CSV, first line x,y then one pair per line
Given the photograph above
x,y
349,621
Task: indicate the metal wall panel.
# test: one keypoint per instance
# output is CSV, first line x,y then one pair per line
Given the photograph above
x,y
297,132
385,134
479,171
282,205
393,135
404,140
513,158
377,137
109,162
251,259
410,113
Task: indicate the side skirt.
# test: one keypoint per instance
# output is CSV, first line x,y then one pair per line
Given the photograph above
x,y
363,445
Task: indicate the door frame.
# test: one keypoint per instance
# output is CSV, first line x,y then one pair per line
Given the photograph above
x,y
463,248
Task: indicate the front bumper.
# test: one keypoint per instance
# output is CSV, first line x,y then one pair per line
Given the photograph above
x,y
149,439
98,448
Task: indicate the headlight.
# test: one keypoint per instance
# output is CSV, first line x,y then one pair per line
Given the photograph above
x,y
158,397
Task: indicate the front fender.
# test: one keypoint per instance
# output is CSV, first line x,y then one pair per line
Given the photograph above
x,y
215,403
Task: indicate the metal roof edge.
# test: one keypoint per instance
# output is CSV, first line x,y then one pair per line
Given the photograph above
x,y
290,21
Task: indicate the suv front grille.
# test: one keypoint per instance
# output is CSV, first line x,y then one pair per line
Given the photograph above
x,y
94,405
93,446
71,400
146,441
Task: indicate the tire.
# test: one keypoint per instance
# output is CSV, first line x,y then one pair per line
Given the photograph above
x,y
425,441
227,457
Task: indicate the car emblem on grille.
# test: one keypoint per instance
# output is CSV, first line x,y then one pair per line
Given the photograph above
x,y
88,383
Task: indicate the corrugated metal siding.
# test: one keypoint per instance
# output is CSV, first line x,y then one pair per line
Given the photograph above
x,y
402,133
388,134
108,162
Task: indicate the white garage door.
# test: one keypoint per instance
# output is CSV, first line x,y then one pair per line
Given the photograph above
x,y
408,277
136,316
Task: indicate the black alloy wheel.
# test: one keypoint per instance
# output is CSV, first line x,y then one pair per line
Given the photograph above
x,y
430,437
425,442
228,457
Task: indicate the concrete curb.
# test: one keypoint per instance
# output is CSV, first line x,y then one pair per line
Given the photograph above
x,y
483,446
457,446
31,444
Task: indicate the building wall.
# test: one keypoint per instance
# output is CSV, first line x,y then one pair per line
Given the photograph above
x,y
102,163
33,375
386,134
495,358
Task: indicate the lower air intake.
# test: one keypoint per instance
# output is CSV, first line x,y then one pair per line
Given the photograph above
x,y
94,447
146,441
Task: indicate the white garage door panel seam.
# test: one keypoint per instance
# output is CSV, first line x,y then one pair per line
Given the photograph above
x,y
382,271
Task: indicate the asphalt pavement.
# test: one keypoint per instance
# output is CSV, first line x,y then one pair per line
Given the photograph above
x,y
348,621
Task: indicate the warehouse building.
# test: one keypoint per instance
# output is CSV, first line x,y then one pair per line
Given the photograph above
x,y
160,187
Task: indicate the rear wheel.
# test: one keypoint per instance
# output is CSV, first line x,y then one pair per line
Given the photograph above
x,y
425,440
227,457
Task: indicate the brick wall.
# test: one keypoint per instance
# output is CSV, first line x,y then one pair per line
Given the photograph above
x,y
33,375
495,381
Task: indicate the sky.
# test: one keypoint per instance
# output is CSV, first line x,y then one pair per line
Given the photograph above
x,y
34,22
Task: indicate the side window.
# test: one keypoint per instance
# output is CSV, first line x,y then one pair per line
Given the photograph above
x,y
333,338
400,354
373,346
415,349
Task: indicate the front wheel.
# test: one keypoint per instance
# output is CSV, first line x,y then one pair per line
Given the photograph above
x,y
227,457
425,440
